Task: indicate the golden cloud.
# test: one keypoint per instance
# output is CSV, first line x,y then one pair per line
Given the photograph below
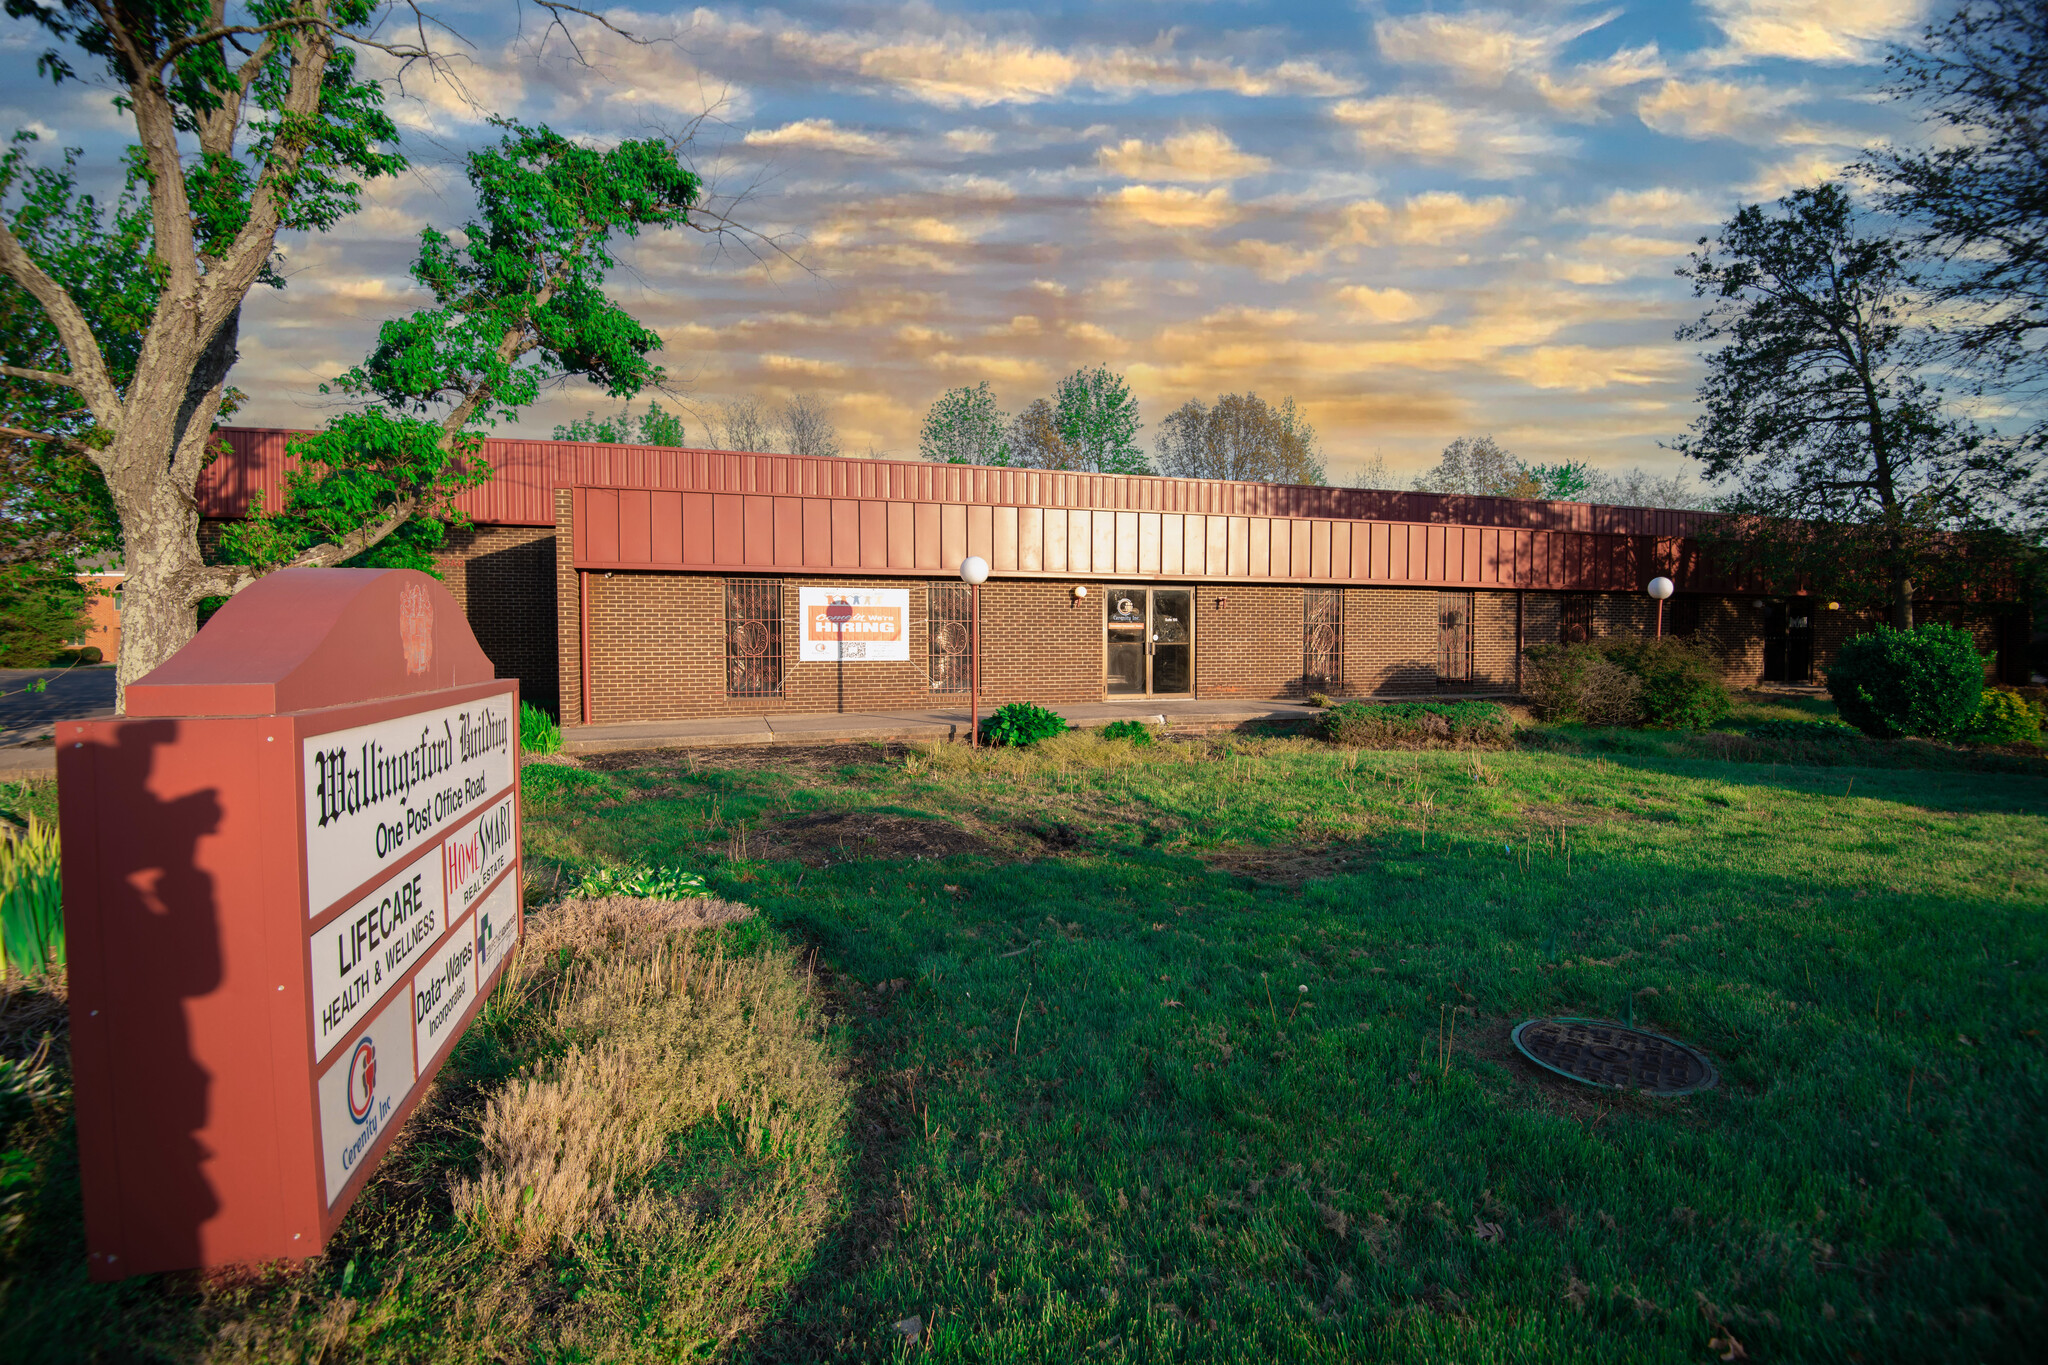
x,y
1811,30
1435,218
1201,155
1585,368
818,134
1171,207
1384,305
1427,129
1748,112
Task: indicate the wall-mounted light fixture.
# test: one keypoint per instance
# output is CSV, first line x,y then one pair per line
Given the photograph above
x,y
1759,604
1080,590
1834,606
1219,604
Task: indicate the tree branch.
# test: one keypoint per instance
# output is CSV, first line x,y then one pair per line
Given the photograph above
x,y
88,365
40,376
24,434
225,580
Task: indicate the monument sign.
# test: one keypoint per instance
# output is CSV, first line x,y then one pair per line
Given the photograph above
x,y
291,876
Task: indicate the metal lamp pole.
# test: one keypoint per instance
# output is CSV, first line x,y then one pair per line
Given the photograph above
x,y
974,572
1660,588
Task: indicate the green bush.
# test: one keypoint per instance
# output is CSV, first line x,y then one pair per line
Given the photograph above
x,y
1022,723
538,733
1136,731
1681,683
1400,724
31,900
635,879
1925,681
1579,682
2003,717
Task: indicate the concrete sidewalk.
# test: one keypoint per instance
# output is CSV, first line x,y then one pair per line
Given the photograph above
x,y
833,727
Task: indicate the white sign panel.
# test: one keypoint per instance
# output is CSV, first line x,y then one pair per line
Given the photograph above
x,y
497,927
375,792
475,854
441,992
360,1094
856,624
359,957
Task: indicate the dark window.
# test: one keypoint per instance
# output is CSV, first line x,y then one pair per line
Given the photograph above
x,y
950,617
2015,634
1682,616
753,638
1575,618
1454,636
1322,639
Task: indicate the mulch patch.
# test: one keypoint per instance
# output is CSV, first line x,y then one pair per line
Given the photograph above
x,y
837,836
1292,864
802,758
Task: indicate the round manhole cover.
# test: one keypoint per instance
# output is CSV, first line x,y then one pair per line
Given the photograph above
x,y
1601,1052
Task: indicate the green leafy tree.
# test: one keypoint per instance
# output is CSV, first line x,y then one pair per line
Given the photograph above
x,y
1977,199
1854,477
249,120
1241,436
1096,416
1566,481
654,427
54,509
964,426
519,303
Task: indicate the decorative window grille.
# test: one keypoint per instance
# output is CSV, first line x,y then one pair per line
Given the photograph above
x,y
753,638
1322,639
1575,618
950,615
1454,636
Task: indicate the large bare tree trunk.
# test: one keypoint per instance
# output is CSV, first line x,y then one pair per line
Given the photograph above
x,y
1902,601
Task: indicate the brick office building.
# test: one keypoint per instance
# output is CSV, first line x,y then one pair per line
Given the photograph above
x,y
644,583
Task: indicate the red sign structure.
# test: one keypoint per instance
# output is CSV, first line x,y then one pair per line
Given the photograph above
x,y
291,876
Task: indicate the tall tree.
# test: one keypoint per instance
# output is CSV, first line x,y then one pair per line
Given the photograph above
x,y
1240,437
743,424
807,426
1478,466
518,304
964,426
247,123
1036,441
1855,478
54,509
1977,199
1097,419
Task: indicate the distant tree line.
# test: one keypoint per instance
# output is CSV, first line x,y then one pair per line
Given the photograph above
x,y
1090,423
800,424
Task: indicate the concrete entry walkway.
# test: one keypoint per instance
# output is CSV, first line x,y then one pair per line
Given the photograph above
x,y
1184,716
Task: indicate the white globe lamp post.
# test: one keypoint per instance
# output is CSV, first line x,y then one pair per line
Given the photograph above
x,y
1660,588
974,572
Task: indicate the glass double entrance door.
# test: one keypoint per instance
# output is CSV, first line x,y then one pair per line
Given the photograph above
x,y
1151,641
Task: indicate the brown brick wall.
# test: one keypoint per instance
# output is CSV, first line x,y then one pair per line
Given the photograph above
x,y
504,577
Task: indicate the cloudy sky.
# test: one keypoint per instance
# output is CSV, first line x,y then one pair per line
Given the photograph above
x,y
1419,222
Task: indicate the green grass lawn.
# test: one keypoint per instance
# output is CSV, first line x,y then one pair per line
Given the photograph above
x,y
1166,1072
1199,1051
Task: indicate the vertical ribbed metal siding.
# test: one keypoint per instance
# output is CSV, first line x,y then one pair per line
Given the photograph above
x,y
527,472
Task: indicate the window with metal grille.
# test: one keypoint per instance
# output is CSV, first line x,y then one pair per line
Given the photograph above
x,y
753,638
951,619
1454,636
1322,639
1575,618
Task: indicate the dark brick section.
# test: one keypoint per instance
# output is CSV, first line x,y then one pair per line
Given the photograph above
x,y
504,577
